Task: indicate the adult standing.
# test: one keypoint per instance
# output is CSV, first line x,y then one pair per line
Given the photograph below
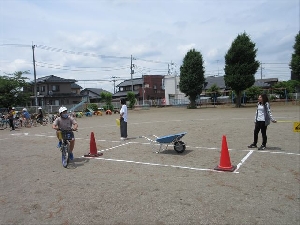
x,y
123,119
263,117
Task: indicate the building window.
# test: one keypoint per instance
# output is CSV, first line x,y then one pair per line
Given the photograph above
x,y
55,88
43,89
154,87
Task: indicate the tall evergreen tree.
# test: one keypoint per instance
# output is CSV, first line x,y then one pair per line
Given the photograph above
x,y
295,61
192,76
240,65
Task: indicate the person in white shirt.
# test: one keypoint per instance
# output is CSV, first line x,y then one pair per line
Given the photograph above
x,y
123,120
263,117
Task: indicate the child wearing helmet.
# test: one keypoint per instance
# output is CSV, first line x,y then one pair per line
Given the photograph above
x,y
65,122
40,116
26,117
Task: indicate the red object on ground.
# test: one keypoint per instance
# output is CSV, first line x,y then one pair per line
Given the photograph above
x,y
225,164
93,148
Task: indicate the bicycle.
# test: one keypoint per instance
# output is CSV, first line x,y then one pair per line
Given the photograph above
x,y
4,123
66,136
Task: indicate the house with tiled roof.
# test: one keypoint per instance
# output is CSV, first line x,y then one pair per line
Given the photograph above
x,y
53,90
93,94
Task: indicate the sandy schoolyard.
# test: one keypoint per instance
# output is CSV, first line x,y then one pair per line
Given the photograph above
x,y
131,184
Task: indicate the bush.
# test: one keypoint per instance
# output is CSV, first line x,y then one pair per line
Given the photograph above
x,y
93,106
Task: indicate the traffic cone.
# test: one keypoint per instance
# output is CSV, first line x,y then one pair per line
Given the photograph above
x,y
225,164
93,148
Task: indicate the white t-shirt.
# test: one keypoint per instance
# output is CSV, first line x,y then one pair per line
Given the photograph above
x,y
124,110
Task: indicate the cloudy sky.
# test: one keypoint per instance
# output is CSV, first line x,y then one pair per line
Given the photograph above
x,y
95,39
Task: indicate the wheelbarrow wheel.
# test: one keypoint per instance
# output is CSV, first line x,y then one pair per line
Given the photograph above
x,y
179,146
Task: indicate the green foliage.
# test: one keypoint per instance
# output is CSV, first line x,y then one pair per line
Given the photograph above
x,y
285,88
106,97
93,106
240,65
295,61
253,92
192,76
11,89
214,91
131,99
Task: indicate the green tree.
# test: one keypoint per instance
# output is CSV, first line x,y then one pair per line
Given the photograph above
x,y
285,88
11,89
107,98
214,92
253,92
192,76
240,65
131,99
295,61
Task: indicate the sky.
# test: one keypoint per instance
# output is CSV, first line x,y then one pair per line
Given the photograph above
x,y
96,41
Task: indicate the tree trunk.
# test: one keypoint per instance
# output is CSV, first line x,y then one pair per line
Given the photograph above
x,y
238,99
193,102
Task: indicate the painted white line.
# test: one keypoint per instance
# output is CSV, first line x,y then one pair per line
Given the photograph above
x,y
243,160
158,164
103,150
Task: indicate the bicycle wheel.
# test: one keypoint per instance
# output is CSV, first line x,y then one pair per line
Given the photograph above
x,y
65,155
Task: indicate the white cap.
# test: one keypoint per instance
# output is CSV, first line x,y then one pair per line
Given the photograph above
x,y
24,109
62,109
40,108
13,108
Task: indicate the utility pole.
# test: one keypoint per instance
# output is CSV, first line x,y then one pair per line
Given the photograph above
x,y
34,72
114,80
261,70
131,73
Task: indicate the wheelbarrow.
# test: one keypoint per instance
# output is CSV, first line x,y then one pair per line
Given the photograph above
x,y
179,146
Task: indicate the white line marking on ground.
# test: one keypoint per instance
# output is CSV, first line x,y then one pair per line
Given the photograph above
x,y
157,164
243,160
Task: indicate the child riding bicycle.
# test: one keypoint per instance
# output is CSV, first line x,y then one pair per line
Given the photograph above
x,y
65,122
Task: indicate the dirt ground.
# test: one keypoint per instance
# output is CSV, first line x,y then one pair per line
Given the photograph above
x,y
131,184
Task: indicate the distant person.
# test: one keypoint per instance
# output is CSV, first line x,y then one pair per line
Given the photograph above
x,y
26,117
263,117
40,116
123,119
11,114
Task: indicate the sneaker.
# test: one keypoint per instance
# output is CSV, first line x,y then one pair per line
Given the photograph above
x,y
71,157
59,144
123,139
262,147
252,146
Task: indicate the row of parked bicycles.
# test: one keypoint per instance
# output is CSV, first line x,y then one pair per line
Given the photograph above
x,y
20,121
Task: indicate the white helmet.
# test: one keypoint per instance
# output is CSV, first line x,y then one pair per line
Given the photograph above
x,y
62,109
24,109
40,108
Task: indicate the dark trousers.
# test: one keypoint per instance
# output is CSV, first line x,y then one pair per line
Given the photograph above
x,y
260,126
123,128
11,123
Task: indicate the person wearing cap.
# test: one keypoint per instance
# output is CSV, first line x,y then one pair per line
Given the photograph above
x,y
65,122
10,116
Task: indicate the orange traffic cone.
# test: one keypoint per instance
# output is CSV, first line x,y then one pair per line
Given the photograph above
x,y
93,148
225,164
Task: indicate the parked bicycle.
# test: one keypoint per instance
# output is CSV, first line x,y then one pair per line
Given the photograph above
x,y
4,122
